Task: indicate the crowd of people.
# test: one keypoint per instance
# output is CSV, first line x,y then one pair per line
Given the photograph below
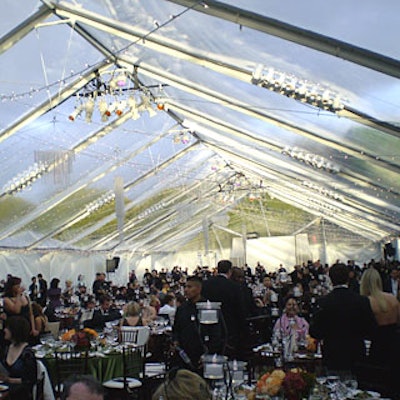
x,y
341,305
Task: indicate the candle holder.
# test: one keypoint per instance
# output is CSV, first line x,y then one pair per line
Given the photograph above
x,y
208,312
214,366
236,370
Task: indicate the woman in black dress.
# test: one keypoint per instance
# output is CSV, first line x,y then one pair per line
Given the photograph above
x,y
19,360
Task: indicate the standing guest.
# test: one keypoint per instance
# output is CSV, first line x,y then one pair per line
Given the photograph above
x,y
188,334
54,295
100,285
384,350
391,282
221,289
354,283
344,319
16,303
252,308
42,295
132,276
80,281
33,289
19,360
82,387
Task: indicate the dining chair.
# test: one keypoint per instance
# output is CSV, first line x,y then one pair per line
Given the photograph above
x,y
152,372
138,335
128,385
68,363
53,328
42,389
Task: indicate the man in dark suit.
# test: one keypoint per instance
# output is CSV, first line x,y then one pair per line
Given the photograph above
x,y
221,289
42,295
105,313
390,281
344,319
188,334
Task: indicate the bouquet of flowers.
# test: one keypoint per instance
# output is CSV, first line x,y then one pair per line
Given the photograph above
x,y
293,384
81,338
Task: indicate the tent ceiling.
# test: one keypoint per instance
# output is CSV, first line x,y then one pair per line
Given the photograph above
x,y
226,83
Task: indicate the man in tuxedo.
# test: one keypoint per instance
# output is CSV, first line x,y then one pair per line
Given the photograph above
x,y
42,295
343,320
221,288
391,282
105,313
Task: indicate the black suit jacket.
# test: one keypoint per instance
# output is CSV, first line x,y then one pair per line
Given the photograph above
x,y
220,289
344,319
100,318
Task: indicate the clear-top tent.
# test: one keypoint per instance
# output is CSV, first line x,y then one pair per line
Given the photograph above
x,y
141,125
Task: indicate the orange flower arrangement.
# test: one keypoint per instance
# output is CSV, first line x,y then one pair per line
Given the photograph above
x,y
81,338
294,384
270,383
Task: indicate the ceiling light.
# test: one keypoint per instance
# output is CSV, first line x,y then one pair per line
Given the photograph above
x,y
77,111
89,108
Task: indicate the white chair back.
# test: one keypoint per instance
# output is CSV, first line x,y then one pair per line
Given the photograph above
x,y
53,328
42,389
86,314
138,335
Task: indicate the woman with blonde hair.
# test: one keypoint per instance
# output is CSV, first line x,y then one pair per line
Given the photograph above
x,y
183,384
386,309
132,315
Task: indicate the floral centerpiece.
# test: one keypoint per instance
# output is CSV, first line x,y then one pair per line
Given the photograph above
x,y
293,384
80,338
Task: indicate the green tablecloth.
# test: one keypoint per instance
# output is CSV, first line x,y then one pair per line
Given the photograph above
x,y
102,368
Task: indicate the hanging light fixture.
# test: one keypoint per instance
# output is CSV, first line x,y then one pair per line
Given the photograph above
x,y
113,96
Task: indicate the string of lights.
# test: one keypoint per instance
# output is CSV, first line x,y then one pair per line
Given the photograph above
x,y
299,89
314,160
106,198
25,179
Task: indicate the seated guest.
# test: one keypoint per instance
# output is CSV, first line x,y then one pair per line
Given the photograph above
x,y
168,308
132,315
87,311
290,321
183,384
106,313
19,360
343,320
40,319
82,387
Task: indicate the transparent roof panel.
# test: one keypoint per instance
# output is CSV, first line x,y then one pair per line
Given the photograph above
x,y
190,112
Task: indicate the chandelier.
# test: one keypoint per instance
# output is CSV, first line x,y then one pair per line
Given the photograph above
x,y
113,94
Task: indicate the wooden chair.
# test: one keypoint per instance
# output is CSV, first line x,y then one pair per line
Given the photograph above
x,y
68,363
129,384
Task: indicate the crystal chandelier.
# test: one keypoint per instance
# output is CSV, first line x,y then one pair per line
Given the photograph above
x,y
112,94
